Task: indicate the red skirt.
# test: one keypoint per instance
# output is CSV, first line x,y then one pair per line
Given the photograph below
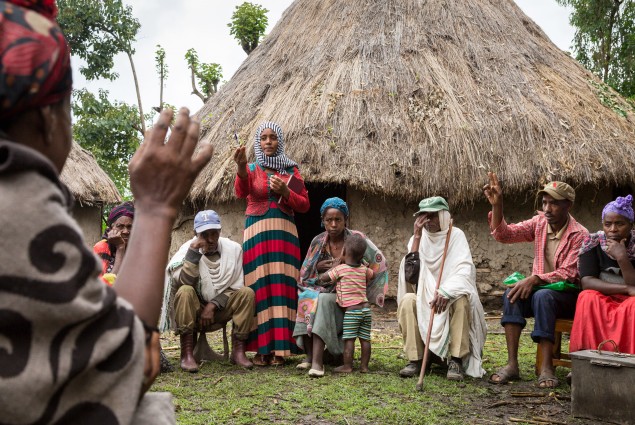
x,y
599,317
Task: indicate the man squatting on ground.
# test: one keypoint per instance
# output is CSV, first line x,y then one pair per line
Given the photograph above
x,y
557,238
459,328
208,274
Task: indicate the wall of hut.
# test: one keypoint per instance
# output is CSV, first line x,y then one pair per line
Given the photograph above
x,y
89,220
388,222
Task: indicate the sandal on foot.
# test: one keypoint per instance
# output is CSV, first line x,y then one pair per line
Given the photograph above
x,y
547,377
315,373
277,361
261,360
504,377
304,365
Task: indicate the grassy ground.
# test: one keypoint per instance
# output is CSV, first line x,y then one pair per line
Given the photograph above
x,y
225,394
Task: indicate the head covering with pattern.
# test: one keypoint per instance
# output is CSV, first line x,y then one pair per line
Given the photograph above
x,y
279,162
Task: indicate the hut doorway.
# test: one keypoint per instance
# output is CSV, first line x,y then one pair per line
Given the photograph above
x,y
309,224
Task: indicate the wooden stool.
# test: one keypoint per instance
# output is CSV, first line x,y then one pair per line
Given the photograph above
x,y
202,350
559,358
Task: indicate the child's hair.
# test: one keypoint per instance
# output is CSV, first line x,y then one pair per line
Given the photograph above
x,y
355,247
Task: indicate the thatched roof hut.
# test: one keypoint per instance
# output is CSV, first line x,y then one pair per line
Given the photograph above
x,y
91,187
411,98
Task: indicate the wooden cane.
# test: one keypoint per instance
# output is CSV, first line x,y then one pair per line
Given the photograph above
x,y
427,351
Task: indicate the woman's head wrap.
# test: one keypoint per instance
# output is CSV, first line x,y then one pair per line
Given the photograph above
x,y
279,162
123,210
337,203
35,67
622,206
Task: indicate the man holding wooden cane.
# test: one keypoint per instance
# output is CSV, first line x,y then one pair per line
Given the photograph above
x,y
458,326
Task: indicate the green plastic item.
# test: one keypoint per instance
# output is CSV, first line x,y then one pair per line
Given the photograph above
x,y
562,286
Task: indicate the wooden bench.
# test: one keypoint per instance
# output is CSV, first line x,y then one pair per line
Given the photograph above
x,y
559,358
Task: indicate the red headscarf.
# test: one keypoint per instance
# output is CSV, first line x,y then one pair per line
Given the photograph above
x,y
35,65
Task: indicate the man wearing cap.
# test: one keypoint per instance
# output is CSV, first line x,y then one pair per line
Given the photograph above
x,y
557,238
207,273
458,328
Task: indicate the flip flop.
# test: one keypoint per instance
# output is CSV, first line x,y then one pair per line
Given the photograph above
x,y
261,360
504,377
547,377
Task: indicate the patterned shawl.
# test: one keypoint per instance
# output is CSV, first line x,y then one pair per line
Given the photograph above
x,y
599,238
310,287
72,351
35,60
280,162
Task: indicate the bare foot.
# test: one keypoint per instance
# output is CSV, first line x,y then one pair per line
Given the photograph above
x,y
363,369
343,369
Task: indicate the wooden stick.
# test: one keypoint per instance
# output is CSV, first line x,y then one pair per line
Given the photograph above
x,y
427,350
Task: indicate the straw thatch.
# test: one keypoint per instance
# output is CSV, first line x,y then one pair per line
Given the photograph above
x,y
416,97
88,183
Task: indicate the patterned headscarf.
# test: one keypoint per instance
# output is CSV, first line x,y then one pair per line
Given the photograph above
x,y
35,67
123,210
622,206
279,162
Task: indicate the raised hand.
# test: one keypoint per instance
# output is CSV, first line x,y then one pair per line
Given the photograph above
x,y
420,223
493,191
199,243
161,174
240,156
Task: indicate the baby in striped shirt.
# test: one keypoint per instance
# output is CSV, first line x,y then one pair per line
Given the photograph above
x,y
351,280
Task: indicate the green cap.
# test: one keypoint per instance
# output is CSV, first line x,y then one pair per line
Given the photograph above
x,y
435,203
559,191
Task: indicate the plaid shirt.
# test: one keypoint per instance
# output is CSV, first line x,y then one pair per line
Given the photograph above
x,y
535,230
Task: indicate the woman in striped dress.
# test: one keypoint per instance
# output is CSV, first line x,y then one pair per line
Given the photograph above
x,y
271,249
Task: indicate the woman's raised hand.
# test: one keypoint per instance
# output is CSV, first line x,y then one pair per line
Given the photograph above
x,y
161,174
493,191
240,156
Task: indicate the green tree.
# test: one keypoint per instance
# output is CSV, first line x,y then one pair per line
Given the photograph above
x,y
162,70
109,131
604,40
208,75
97,31
248,25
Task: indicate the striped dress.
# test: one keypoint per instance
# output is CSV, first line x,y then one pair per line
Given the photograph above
x,y
271,260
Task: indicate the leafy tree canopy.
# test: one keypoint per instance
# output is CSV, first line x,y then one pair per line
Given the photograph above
x,y
109,131
248,25
207,75
97,31
604,41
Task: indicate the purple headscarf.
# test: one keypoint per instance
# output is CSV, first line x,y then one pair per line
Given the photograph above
x,y
622,206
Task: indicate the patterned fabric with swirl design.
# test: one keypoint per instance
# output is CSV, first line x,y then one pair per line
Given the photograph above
x,y
71,351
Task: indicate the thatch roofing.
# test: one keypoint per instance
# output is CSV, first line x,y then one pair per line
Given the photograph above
x,y
411,98
88,183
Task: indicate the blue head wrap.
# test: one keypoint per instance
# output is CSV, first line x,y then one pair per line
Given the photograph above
x,y
337,203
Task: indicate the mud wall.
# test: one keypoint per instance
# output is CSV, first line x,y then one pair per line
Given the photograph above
x,y
389,224
89,220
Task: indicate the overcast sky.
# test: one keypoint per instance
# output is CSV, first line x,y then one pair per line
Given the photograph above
x,y
202,24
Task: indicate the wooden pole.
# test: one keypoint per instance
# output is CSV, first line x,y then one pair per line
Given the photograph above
x,y
427,351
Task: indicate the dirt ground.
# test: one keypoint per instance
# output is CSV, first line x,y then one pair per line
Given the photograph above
x,y
502,404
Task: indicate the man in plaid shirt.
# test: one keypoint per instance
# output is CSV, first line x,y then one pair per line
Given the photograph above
x,y
557,238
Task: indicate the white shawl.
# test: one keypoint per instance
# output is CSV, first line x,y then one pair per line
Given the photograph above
x,y
459,278
210,284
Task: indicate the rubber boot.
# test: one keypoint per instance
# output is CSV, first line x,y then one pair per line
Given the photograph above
x,y
238,354
188,363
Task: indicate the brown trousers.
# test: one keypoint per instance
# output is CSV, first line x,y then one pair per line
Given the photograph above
x,y
459,327
239,309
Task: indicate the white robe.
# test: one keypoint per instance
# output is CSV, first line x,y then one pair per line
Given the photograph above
x,y
229,275
459,278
